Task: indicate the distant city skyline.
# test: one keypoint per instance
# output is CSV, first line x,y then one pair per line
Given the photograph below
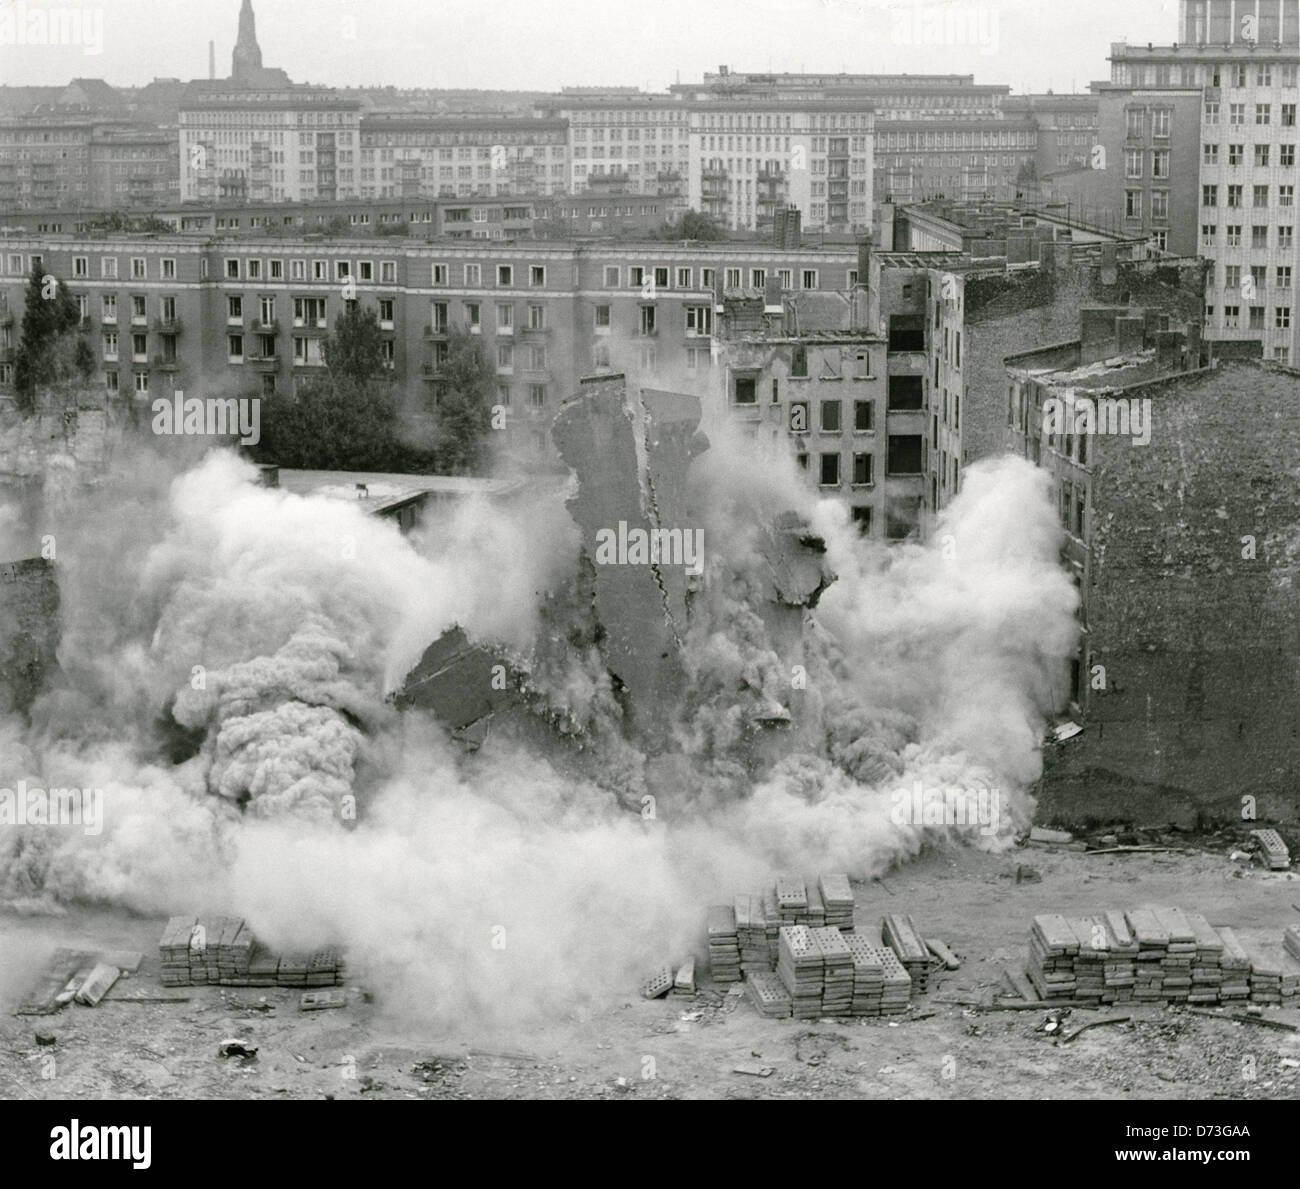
x,y
1029,45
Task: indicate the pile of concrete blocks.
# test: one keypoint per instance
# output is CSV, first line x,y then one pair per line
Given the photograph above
x,y
903,937
1159,954
197,951
1053,946
1235,965
1276,855
751,935
724,948
684,981
837,896
881,986
768,995
801,969
838,976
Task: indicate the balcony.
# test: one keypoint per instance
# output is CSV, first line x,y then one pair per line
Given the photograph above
x,y
167,325
166,365
260,327
534,331
436,331
265,363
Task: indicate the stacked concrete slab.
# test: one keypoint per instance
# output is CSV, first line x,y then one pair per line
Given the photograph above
x,y
223,951
1053,946
768,995
751,936
801,969
903,937
837,982
1235,964
1275,852
724,949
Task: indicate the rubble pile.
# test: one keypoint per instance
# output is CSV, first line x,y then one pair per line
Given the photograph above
x,y
197,951
1157,954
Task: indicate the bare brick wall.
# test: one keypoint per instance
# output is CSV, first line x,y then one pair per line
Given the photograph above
x,y
1036,308
1201,647
29,631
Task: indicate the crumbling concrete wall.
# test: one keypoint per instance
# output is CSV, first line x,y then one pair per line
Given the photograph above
x,y
29,631
1194,612
599,434
1016,312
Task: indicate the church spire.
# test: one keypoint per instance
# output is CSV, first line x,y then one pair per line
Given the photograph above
x,y
247,58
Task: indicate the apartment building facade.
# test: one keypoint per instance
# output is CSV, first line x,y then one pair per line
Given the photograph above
x,y
1243,56
267,144
413,155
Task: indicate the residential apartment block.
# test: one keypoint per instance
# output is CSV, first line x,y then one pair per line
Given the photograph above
x,y
250,316
1243,57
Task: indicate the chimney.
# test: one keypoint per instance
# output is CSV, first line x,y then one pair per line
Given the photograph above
x,y
864,261
212,59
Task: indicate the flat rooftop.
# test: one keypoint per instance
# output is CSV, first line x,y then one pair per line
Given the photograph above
x,y
384,491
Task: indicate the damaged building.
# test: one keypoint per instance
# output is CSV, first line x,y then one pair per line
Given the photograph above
x,y
1176,484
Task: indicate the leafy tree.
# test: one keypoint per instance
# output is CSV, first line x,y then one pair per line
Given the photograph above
x,y
692,225
463,395
51,351
355,351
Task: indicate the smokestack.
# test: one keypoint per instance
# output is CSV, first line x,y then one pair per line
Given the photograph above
x,y
212,60
864,261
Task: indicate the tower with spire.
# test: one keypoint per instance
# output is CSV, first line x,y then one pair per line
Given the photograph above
x,y
246,62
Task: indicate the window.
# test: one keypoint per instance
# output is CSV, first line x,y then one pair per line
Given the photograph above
x,y
1160,120
1231,316
906,393
706,278
684,278
732,279
1132,163
1235,195
810,278
699,320
1160,204
830,470
472,317
862,470
1209,234
1286,196
1259,236
864,418
276,269
830,416
661,278
537,275
1236,114
1209,195
503,395
232,270
537,395
388,272
234,309
1286,154
110,381
1233,235
266,311
320,270
441,272
110,347
505,319
758,278
1284,239
904,454
505,357
108,303
386,313
1284,276
81,266
1288,115
1263,113
1210,154
611,276
235,347
647,320
1135,123
108,267
745,390
142,383
1133,204
473,274
1282,318
254,270
1211,114
537,357
862,519
602,318
1256,317
138,312
1261,154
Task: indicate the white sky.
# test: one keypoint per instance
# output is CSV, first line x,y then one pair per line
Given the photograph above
x,y
546,44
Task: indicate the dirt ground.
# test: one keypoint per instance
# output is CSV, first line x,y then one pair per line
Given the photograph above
x,y
679,1048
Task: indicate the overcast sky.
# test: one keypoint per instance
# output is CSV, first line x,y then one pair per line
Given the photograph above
x,y
545,44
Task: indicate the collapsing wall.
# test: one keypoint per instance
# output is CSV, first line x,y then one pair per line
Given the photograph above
x,y
29,631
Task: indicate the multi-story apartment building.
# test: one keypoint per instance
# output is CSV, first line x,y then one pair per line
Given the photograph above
x,y
1243,56
251,313
133,168
412,155
867,390
1066,127
276,144
627,136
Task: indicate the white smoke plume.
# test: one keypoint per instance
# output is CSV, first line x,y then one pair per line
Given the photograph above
x,y
226,656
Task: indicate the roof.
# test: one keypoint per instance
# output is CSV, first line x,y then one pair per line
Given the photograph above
x,y
386,491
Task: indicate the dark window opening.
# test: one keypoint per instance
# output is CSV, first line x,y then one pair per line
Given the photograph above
x,y
906,393
905,454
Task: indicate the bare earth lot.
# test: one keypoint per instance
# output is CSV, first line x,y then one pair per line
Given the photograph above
x,y
637,1049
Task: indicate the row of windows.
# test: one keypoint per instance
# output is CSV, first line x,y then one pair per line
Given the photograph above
x,y
1256,317
1262,114
1233,236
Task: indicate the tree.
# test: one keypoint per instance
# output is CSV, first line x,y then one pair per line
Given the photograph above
x,y
52,351
692,225
463,403
347,418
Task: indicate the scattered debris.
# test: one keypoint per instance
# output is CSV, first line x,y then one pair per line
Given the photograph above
x,y
45,1037
684,982
1040,836
233,1047
941,951
1278,1025
321,1000
1134,850
96,986
1069,1036
753,1070
53,979
658,984
1028,874
1273,849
